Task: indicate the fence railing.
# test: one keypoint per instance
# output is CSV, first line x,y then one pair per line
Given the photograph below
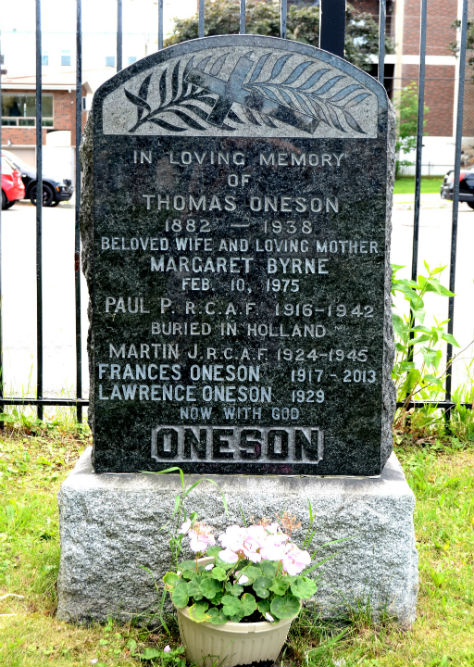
x,y
331,38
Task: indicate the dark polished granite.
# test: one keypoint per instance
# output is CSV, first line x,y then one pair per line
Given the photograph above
x,y
236,233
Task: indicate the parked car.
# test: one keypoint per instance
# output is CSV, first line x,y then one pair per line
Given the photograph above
x,y
54,190
12,185
466,186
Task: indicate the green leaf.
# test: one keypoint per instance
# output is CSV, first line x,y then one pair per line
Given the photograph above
x,y
450,339
213,551
303,587
284,607
234,589
399,326
269,568
231,605
132,645
251,572
187,566
199,612
180,596
431,357
218,573
261,586
171,579
151,653
194,589
263,606
433,272
217,616
420,328
280,585
433,285
249,604
397,267
210,588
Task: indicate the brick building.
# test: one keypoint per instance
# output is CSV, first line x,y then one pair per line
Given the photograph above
x,y
442,73
19,108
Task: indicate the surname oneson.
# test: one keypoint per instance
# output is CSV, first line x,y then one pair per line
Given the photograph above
x,y
229,203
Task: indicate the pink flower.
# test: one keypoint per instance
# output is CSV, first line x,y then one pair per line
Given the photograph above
x,y
295,560
243,579
251,552
185,527
232,538
273,551
258,533
200,537
275,546
228,556
167,649
253,541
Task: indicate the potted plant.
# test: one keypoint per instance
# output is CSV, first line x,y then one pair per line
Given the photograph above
x,y
237,599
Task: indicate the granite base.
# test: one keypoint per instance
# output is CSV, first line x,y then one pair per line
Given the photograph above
x,y
114,543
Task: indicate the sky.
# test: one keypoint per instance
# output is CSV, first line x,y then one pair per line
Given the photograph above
x,y
60,15
99,21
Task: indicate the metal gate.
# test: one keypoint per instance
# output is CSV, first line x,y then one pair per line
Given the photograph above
x,y
332,27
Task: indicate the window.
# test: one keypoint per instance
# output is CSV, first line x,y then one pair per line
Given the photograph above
x,y
20,110
44,60
65,59
110,61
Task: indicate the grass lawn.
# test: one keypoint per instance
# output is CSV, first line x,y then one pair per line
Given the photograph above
x,y
405,185
31,470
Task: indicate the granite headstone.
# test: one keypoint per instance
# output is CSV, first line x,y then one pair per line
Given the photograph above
x,y
236,225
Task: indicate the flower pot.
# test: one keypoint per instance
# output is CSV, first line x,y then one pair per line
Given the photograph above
x,y
232,643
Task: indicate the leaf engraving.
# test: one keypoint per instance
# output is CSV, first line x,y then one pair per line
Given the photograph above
x,y
258,67
200,94
218,65
176,97
297,72
314,94
141,104
175,82
278,66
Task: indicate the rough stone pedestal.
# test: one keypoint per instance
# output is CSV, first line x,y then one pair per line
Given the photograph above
x,y
111,530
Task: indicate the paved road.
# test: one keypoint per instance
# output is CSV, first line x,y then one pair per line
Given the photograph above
x,y
19,287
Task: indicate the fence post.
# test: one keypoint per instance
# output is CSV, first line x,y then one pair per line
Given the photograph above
x,y
77,234
39,215
332,24
454,226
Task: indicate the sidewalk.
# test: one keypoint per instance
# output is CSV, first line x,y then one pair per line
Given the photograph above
x,y
407,202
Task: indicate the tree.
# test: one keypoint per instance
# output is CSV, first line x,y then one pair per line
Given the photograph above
x,y
263,18
455,46
407,124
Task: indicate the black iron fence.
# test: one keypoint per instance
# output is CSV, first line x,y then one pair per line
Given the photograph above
x,y
331,38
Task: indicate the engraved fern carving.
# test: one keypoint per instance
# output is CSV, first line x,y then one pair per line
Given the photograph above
x,y
176,98
312,95
193,95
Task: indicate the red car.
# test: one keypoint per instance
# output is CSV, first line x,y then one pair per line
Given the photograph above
x,y
12,185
